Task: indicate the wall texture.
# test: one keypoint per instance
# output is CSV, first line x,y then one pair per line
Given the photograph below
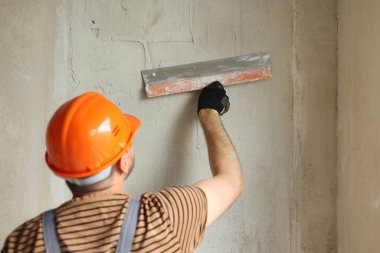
x,y
27,39
359,127
315,109
283,128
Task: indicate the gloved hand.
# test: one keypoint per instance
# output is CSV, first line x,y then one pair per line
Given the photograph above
x,y
214,97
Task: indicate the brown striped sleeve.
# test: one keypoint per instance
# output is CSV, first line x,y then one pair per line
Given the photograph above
x,y
186,207
26,238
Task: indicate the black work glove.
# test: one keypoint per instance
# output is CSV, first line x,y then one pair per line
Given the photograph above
x,y
214,97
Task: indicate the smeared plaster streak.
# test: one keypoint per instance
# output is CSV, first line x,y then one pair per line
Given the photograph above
x,y
237,26
197,145
191,20
71,57
296,131
62,62
85,8
71,53
143,42
72,69
147,60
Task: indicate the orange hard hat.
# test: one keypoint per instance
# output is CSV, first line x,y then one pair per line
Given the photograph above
x,y
87,135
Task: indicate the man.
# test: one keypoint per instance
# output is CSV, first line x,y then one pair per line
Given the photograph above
x,y
89,144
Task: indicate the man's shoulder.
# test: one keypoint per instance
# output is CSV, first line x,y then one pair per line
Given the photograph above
x,y
29,225
25,233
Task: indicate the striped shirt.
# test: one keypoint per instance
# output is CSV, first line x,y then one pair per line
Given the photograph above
x,y
171,220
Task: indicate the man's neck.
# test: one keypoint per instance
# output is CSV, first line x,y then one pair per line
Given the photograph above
x,y
109,190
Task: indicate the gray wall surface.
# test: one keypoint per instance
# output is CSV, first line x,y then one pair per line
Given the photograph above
x,y
359,127
283,128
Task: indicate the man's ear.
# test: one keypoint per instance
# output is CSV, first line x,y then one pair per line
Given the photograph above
x,y
125,162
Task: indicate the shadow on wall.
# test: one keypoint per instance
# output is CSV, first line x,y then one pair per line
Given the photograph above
x,y
177,154
143,95
180,156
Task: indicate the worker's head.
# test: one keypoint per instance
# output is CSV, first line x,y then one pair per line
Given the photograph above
x,y
89,142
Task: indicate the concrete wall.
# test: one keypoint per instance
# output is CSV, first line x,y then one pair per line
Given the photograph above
x,y
359,127
283,128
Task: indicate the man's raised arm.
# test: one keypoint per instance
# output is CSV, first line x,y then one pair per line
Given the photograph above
x,y
227,182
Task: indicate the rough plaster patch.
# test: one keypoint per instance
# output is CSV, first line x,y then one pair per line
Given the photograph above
x,y
14,139
27,77
94,61
141,20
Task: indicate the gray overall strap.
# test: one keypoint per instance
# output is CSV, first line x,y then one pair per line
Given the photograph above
x,y
50,232
128,228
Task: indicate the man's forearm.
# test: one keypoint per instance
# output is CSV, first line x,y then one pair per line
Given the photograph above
x,y
222,154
